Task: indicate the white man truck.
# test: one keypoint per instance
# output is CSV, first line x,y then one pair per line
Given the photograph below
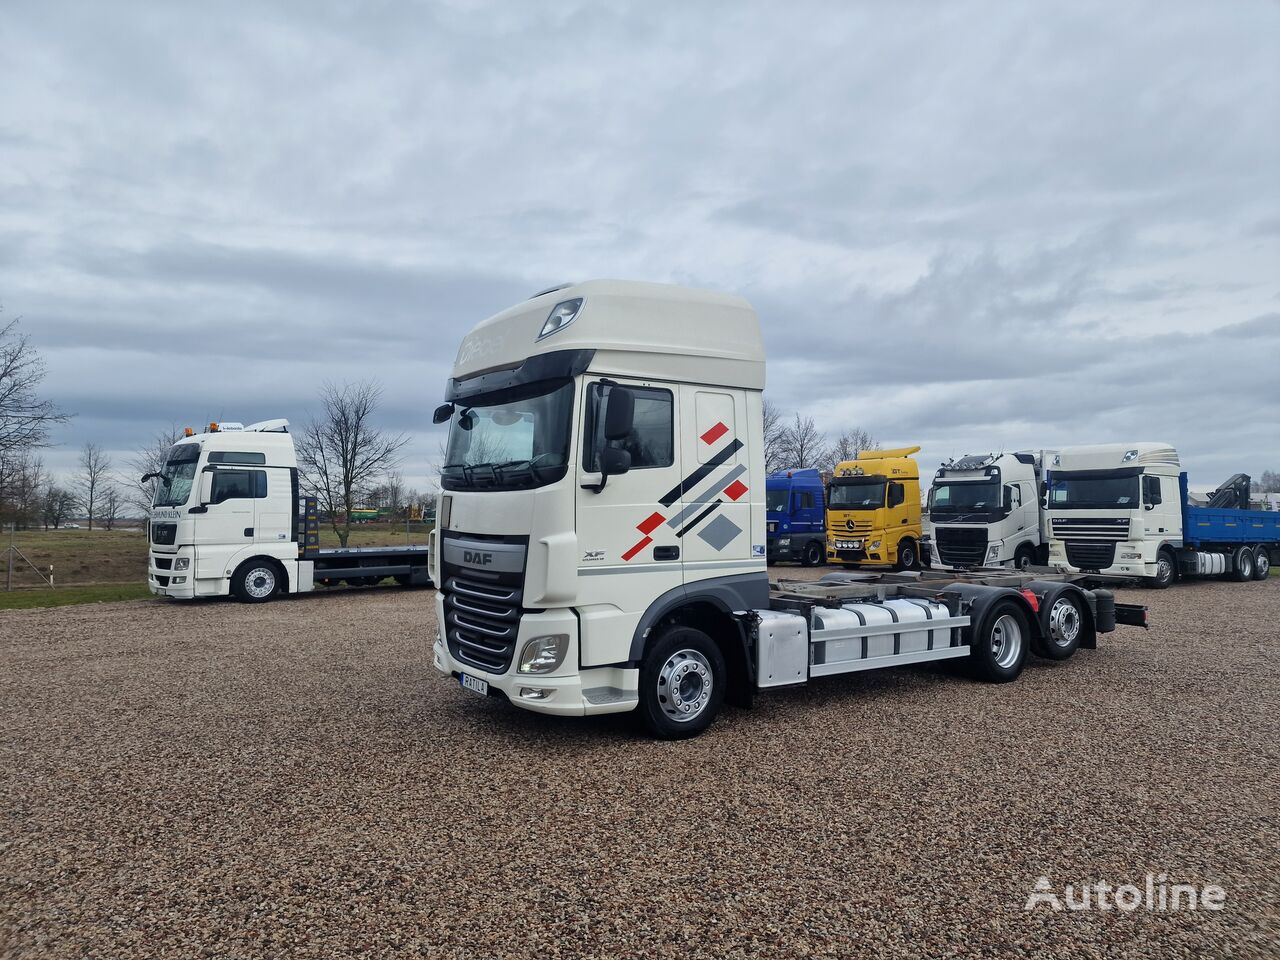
x,y
1122,509
986,511
227,518
601,538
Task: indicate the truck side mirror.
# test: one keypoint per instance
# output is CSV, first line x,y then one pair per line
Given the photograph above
x,y
614,462
443,413
619,414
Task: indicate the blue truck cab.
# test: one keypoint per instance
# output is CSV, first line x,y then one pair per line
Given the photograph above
x,y
795,515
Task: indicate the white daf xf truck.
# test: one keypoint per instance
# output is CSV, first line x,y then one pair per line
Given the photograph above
x,y
1123,509
985,511
601,538
227,518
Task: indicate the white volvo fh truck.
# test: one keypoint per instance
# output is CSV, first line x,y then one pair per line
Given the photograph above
x,y
601,539
985,511
228,519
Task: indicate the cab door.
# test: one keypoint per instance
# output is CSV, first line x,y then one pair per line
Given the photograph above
x,y
226,522
714,522
628,553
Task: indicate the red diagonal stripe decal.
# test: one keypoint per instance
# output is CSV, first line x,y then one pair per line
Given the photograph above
x,y
637,548
649,524
715,433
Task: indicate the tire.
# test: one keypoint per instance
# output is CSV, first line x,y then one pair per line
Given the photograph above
x,y
1242,564
1024,557
682,684
256,581
1261,564
814,554
1066,627
998,649
1166,571
908,555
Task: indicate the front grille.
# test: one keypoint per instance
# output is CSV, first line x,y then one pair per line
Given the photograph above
x,y
1092,528
482,619
163,563
1090,554
961,546
163,581
164,533
858,527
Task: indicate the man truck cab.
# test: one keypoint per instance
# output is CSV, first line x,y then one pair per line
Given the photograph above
x,y
796,516
986,511
873,511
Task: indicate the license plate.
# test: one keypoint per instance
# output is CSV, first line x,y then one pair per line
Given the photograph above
x,y
475,684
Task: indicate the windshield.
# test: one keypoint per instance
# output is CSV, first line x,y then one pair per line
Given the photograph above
x,y
857,494
1096,491
775,501
971,496
509,440
174,486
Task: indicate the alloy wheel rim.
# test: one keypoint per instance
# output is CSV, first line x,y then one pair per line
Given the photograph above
x,y
1064,622
1006,641
684,685
261,582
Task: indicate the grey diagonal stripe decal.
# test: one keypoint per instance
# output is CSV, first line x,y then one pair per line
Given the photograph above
x,y
700,517
695,478
713,491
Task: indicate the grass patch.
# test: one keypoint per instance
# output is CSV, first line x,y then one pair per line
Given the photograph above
x,y
65,596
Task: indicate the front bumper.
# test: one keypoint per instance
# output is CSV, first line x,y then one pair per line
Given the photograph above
x,y
779,553
164,581
568,691
1128,561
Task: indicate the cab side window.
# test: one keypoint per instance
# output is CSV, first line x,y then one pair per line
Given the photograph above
x,y
651,442
239,485
897,494
1150,489
804,500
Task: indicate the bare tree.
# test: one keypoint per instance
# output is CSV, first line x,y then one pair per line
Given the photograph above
x,y
56,506
775,439
805,444
25,418
95,466
112,501
147,459
1269,482
22,482
341,453
847,446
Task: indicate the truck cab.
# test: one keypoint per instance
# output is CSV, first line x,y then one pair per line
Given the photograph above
x,y
873,511
986,511
795,514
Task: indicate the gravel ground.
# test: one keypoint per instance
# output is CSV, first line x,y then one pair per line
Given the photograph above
x,y
223,780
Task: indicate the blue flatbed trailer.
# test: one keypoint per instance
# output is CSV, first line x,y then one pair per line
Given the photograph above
x,y
1216,525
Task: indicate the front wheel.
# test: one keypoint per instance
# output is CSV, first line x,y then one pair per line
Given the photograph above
x,y
682,681
814,553
1024,557
908,559
255,581
998,648
1166,571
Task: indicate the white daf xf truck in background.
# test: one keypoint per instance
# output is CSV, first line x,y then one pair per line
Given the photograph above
x,y
986,511
1122,509
228,519
601,538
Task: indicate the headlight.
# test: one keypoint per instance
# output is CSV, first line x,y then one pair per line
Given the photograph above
x,y
784,541
874,546
993,553
544,654
1130,556
182,563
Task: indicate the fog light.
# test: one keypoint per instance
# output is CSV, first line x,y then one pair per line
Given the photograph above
x,y
178,580
534,693
182,563
544,654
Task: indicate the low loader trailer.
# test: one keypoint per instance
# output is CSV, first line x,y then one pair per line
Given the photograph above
x,y
601,539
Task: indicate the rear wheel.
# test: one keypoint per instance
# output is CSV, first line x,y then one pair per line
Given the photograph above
x,y
1242,564
1066,626
908,558
813,554
1261,564
255,581
682,684
998,650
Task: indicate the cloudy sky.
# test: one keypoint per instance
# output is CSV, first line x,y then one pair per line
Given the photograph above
x,y
968,226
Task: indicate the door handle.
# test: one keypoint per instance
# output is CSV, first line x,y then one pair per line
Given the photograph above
x,y
666,553
248,531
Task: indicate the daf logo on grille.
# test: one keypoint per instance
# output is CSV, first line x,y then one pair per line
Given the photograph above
x,y
848,524
478,558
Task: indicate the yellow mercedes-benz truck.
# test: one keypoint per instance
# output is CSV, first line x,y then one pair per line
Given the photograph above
x,y
873,511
